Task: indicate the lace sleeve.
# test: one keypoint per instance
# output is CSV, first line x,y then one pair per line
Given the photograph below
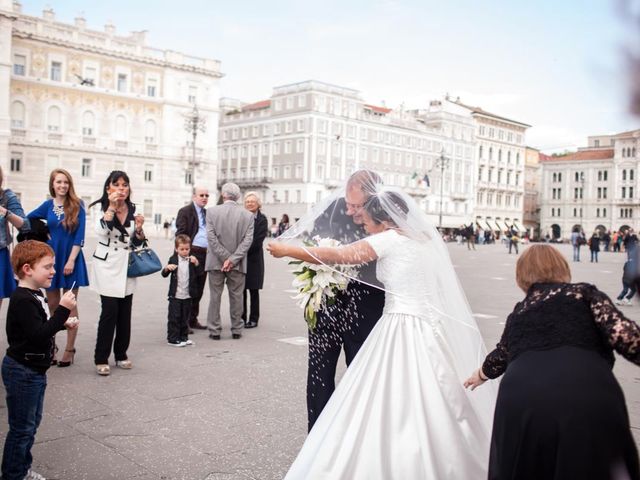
x,y
620,332
496,362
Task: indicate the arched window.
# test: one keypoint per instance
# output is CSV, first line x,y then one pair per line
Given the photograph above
x,y
54,116
633,152
499,155
517,159
490,153
150,131
17,115
508,157
88,123
121,127
624,174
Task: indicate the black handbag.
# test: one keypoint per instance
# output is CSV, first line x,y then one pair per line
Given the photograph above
x,y
143,261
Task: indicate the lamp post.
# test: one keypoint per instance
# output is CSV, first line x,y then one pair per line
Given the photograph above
x,y
194,123
581,198
442,163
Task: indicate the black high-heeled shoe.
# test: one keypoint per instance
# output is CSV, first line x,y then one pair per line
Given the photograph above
x,y
66,364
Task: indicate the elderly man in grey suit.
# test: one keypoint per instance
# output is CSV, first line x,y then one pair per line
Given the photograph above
x,y
229,234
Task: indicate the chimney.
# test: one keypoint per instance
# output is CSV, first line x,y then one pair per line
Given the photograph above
x,y
48,14
17,6
80,22
110,29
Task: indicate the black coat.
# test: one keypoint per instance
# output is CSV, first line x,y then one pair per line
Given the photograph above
x,y
255,256
173,279
187,221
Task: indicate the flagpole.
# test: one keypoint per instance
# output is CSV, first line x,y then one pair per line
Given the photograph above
x,y
442,162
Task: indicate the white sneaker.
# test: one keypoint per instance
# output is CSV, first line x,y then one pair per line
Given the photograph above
x,y
627,302
177,344
31,475
619,302
188,342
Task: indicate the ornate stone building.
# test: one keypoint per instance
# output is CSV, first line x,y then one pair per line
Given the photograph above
x,y
309,136
595,188
91,102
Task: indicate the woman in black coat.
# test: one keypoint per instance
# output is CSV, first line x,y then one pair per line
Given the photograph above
x,y
560,412
255,261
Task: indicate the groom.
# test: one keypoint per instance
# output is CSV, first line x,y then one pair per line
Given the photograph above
x,y
347,323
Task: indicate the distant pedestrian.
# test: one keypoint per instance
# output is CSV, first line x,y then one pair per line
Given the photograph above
x,y
577,240
629,276
630,242
230,234
514,240
470,235
30,334
283,225
255,262
594,246
166,225
182,267
606,241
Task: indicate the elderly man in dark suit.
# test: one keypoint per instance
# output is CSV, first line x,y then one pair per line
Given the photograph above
x,y
191,221
230,234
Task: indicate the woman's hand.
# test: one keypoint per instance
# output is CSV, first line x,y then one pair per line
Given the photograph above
x,y
72,323
69,266
139,219
3,212
475,380
114,199
277,249
68,300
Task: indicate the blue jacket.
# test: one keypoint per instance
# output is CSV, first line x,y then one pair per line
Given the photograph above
x,y
9,200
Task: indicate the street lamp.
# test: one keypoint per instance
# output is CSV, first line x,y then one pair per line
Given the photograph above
x,y
442,163
194,123
581,198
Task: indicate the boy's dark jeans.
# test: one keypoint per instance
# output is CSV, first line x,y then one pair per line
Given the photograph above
x,y
25,398
178,317
629,288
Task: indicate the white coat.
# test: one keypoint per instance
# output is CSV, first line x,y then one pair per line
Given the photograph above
x,y
108,275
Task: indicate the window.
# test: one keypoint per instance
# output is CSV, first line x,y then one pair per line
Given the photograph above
x,y
300,146
150,131
287,146
596,143
302,101
604,192
17,115
121,127
54,116
630,174
90,74
604,176
148,172
16,161
148,208
276,148
298,196
86,167
19,65
286,173
624,191
630,192
599,175
88,122
122,82
193,94
624,175
56,71
152,86
298,171
604,212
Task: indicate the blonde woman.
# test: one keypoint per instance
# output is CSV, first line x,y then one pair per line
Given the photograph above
x,y
65,216
255,261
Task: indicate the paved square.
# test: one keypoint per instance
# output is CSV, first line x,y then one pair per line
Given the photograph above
x,y
232,409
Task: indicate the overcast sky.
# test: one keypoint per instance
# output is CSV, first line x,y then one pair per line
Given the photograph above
x,y
556,65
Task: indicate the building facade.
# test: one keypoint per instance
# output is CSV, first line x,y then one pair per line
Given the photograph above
x,y
92,102
304,141
595,188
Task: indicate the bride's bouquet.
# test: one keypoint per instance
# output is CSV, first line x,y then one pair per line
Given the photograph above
x,y
317,285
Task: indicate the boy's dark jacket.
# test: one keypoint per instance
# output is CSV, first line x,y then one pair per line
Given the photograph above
x,y
29,331
173,281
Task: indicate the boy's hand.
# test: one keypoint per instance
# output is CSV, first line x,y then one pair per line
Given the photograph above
x,y
72,323
193,260
68,300
171,267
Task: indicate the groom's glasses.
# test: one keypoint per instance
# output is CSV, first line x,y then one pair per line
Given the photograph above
x,y
355,206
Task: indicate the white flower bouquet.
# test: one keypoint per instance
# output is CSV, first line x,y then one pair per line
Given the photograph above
x,y
317,285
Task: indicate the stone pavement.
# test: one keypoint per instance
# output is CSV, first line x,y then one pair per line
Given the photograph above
x,y
233,409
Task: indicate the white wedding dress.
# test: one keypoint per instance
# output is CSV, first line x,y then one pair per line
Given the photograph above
x,y
400,410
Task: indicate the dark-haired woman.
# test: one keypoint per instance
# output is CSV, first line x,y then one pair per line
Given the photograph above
x,y
118,228
283,226
11,213
560,412
65,216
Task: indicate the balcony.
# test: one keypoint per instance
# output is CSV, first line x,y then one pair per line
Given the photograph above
x,y
246,183
89,140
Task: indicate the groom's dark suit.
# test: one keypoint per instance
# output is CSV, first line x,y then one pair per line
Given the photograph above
x,y
347,323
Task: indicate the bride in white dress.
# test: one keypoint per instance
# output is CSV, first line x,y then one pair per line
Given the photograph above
x,y
400,410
